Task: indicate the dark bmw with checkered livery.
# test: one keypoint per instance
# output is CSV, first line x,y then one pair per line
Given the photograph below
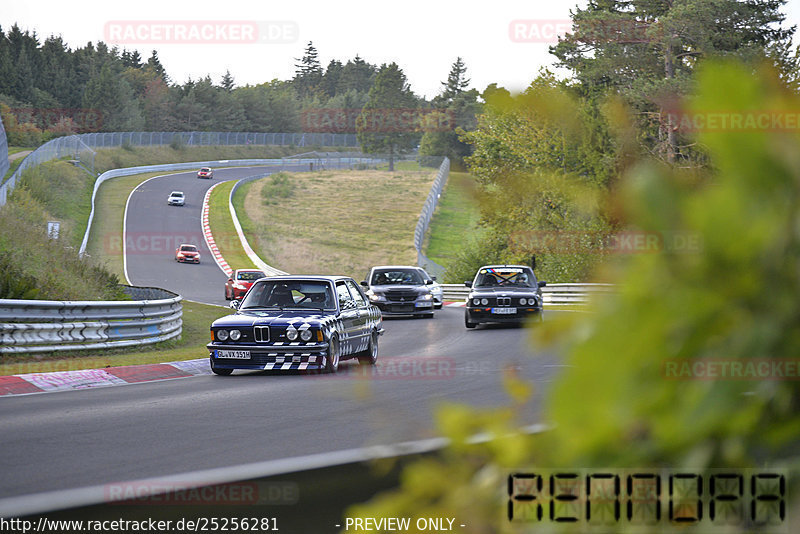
x,y
297,323
503,294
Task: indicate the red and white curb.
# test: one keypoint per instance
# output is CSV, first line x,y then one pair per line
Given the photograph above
x,y
459,304
212,245
24,384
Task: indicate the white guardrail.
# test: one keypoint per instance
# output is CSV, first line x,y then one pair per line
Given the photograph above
x,y
561,294
51,325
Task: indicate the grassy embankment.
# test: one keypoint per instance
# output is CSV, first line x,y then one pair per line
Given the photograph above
x,y
334,222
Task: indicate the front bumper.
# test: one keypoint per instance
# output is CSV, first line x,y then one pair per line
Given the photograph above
x,y
188,260
405,308
483,314
288,357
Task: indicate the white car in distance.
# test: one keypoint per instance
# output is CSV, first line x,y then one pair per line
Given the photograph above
x,y
176,198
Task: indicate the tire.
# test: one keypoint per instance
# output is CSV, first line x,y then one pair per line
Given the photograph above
x,y
370,355
428,316
467,323
221,372
438,306
334,353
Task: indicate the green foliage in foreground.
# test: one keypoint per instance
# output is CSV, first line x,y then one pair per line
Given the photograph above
x,y
737,299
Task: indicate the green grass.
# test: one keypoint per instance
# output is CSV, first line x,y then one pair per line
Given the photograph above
x,y
15,149
455,218
12,166
370,220
225,236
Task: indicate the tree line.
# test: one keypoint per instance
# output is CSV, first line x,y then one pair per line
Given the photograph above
x,y
48,89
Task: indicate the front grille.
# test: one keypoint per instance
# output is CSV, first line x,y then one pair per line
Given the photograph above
x,y
401,295
504,301
261,334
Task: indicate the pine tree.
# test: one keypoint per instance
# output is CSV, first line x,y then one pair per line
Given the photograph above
x,y
227,81
156,65
308,72
457,80
381,126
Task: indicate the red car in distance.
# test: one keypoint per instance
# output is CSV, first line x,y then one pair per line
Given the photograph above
x,y
187,253
240,281
205,172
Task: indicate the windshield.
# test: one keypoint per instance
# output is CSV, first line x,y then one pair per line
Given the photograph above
x,y
505,277
250,275
402,277
177,194
282,294
188,248
205,169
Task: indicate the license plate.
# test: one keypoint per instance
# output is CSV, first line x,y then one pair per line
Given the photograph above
x,y
504,311
423,304
234,354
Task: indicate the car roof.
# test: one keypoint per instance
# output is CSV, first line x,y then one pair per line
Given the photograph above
x,y
249,271
314,277
395,267
504,266
176,193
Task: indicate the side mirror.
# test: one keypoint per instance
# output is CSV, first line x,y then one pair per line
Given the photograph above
x,y
428,282
542,284
364,283
234,305
230,279
434,278
468,284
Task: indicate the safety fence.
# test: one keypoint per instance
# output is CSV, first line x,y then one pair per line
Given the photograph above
x,y
433,268
28,326
561,294
4,163
81,149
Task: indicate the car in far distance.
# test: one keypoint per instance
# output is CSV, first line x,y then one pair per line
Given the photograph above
x,y
176,198
400,290
205,172
187,253
503,294
435,287
240,281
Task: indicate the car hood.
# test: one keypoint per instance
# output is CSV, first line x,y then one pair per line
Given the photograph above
x,y
188,252
272,318
382,289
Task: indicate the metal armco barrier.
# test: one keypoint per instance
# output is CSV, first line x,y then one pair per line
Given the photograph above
x,y
562,294
4,164
52,325
433,268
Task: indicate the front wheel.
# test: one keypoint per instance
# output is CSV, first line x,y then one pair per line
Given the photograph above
x,y
221,372
469,324
370,355
332,361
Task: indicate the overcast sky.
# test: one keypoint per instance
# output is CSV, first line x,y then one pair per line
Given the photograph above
x,y
423,37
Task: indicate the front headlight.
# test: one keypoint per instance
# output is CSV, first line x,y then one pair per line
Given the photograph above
x,y
305,335
235,335
291,333
374,297
222,335
476,301
484,302
523,301
426,296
